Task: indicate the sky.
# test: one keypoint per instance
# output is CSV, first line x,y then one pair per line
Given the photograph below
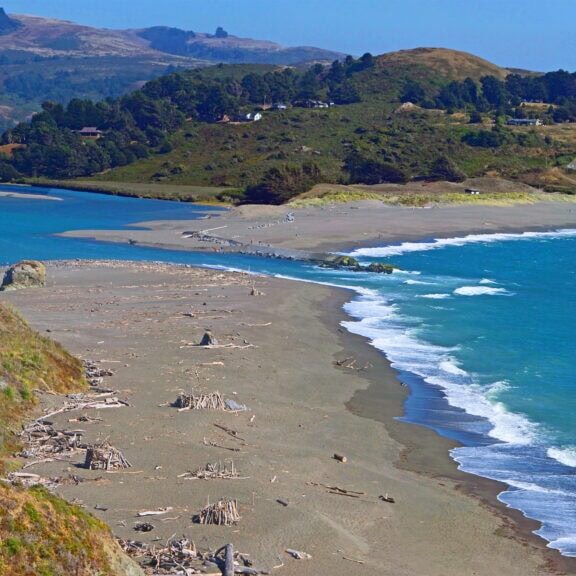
x,y
531,34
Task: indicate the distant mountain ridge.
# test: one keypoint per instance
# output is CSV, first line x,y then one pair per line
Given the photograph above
x,y
51,37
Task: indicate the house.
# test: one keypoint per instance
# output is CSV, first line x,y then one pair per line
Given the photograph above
x,y
279,106
524,122
243,118
90,132
311,104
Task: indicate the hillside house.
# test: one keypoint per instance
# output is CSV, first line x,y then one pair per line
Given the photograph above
x,y
524,122
279,106
315,104
90,132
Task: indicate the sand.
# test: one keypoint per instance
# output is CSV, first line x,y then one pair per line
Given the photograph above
x,y
303,408
339,226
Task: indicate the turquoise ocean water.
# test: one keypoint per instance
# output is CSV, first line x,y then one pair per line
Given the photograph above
x,y
482,329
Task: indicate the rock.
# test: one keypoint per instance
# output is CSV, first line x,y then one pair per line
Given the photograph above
x,y
380,268
25,274
208,339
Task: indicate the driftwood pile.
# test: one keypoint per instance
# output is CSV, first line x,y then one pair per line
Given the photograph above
x,y
180,557
42,440
104,456
222,513
213,471
208,401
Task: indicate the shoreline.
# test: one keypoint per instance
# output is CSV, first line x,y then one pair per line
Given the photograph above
x,y
386,406
423,451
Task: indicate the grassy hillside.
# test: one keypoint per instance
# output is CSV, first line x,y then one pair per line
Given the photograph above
x,y
40,534
239,155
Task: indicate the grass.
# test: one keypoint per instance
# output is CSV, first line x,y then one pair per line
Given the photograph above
x,y
41,534
325,194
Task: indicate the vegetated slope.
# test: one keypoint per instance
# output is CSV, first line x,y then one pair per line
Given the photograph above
x,y
39,532
389,123
42,58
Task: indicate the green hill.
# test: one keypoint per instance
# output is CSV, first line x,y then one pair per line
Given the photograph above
x,y
418,114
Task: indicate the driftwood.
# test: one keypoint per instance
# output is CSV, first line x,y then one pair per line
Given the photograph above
x,y
181,557
340,458
218,470
298,554
216,445
43,441
387,498
209,401
104,456
223,513
158,512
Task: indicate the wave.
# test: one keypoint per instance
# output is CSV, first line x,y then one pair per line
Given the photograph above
x,y
515,452
566,456
438,243
435,296
487,281
416,282
379,321
479,291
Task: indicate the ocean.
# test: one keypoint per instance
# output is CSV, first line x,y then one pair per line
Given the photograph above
x,y
481,328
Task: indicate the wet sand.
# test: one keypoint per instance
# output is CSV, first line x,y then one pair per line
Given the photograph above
x,y
139,319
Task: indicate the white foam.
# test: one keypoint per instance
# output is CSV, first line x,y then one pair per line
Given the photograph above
x,y
566,456
479,291
487,281
438,243
435,296
379,321
416,282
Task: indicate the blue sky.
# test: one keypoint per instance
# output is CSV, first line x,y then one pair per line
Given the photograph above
x,y
532,34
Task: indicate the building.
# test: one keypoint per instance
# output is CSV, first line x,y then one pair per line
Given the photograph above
x,y
90,132
524,122
279,106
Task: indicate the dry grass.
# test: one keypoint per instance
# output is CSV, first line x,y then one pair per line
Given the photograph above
x,y
41,534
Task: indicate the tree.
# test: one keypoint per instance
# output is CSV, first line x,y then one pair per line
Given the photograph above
x,y
366,170
444,168
279,185
221,33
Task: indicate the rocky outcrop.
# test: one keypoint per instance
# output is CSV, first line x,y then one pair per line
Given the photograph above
x,y
25,274
350,263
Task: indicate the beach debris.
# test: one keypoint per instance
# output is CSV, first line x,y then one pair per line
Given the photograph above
x,y
298,555
143,527
208,401
216,445
104,456
43,441
387,498
350,364
284,503
230,432
218,470
223,513
338,491
158,512
340,458
179,556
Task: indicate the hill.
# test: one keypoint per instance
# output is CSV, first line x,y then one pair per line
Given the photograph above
x,y
375,119
48,59
441,62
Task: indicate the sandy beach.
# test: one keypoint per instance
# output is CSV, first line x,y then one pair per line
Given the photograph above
x,y
278,355
276,229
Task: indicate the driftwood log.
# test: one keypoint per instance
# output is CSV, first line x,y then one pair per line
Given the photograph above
x,y
104,456
223,513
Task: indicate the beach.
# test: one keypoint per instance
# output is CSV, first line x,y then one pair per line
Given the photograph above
x,y
302,232
312,391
